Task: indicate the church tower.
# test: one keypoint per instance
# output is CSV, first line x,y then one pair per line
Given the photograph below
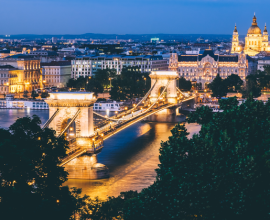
x,y
265,43
235,42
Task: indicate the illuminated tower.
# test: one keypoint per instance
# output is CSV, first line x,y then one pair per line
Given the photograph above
x,y
265,43
235,42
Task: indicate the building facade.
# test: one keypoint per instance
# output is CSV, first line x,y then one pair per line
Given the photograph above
x,y
255,41
203,68
263,62
4,78
26,75
88,65
56,73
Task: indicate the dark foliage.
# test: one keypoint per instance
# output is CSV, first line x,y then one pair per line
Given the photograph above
x,y
219,173
184,84
233,82
131,83
30,177
218,87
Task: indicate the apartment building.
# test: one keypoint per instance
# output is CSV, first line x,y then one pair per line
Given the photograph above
x,y
4,78
89,64
56,73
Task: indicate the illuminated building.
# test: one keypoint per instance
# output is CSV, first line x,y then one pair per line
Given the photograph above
x,y
203,68
26,75
255,41
4,76
56,73
236,48
88,65
5,53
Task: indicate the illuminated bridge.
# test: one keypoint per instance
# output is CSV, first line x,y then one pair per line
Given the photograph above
x,y
71,114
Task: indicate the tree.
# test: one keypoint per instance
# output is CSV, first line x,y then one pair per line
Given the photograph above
x,y
233,82
104,76
252,88
31,178
95,86
219,173
218,87
131,83
45,95
25,94
184,84
78,83
34,94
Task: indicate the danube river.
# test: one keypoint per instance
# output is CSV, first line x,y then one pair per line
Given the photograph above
x,y
131,155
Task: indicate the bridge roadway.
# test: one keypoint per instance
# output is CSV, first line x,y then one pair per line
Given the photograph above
x,y
107,131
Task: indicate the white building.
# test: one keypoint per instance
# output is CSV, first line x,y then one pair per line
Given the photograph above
x,y
263,62
56,73
108,106
88,65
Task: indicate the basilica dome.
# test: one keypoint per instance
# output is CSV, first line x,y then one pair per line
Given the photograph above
x,y
254,29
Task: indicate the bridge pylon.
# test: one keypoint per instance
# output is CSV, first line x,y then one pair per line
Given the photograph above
x,y
71,115
161,79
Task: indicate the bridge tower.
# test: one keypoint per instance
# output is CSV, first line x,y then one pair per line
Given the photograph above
x,y
161,80
71,114
75,106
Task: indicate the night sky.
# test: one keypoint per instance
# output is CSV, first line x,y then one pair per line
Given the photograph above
x,y
130,16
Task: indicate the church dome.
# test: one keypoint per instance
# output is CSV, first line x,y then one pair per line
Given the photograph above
x,y
254,29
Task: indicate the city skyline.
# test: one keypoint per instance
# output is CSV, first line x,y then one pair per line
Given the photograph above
x,y
128,17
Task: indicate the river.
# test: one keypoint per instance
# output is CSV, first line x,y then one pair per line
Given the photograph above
x,y
131,155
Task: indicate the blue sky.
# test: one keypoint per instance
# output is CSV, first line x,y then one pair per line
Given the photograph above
x,y
130,16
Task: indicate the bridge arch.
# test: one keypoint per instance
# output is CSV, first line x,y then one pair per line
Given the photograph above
x,y
161,80
71,131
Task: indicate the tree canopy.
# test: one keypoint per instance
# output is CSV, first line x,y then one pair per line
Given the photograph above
x,y
184,84
252,89
233,82
131,83
31,177
218,87
219,173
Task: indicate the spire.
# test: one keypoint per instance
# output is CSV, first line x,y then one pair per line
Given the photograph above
x,y
265,29
254,20
235,29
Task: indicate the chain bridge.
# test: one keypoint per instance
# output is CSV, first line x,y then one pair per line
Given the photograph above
x,y
71,114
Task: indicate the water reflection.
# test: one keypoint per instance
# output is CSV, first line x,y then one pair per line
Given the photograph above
x,y
9,116
132,157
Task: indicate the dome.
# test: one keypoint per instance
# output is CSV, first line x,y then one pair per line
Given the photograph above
x,y
254,29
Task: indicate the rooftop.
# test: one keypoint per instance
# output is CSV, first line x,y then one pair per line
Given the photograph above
x,y
57,63
122,56
7,67
20,56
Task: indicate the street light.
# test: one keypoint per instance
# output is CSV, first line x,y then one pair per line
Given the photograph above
x,y
110,83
